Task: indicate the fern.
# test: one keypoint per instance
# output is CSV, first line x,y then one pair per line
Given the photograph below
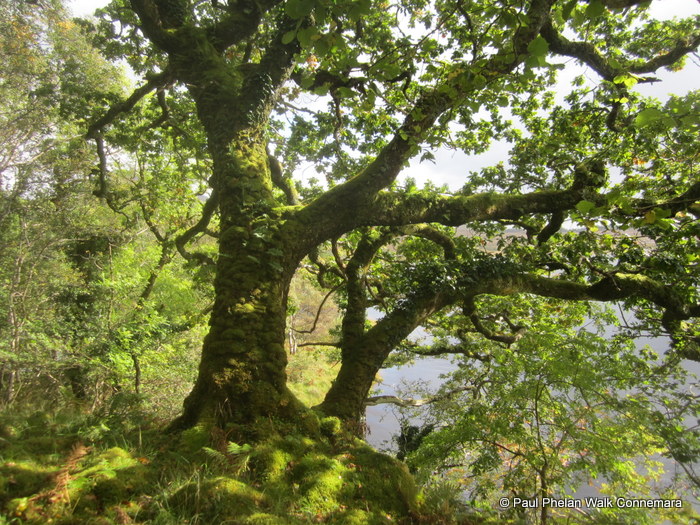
x,y
236,449
215,454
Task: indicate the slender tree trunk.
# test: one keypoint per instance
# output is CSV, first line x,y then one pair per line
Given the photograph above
x,y
7,386
137,372
76,375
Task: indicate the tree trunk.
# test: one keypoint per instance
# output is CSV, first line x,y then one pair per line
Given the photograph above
x,y
242,374
346,397
363,355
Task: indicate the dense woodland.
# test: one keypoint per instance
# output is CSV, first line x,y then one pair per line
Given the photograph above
x,y
209,252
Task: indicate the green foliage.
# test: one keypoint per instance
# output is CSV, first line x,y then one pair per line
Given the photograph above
x,y
559,407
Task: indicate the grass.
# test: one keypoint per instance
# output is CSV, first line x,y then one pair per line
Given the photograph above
x,y
310,374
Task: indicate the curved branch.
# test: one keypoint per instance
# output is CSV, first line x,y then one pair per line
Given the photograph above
x,y
398,324
282,182
583,51
154,82
589,55
241,21
553,226
343,201
151,24
682,48
201,226
508,339
444,241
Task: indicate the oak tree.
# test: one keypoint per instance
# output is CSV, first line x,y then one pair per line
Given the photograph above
x,y
603,183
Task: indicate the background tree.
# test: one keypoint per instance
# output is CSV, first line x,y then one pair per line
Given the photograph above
x,y
81,305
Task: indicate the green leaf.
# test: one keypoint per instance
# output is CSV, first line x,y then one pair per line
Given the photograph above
x,y
568,8
299,8
626,79
322,46
585,206
306,35
595,9
359,9
648,116
289,36
538,47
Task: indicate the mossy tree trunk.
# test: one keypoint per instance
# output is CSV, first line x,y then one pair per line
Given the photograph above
x,y
242,371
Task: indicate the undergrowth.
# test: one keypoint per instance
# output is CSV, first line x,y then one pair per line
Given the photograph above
x,y
71,468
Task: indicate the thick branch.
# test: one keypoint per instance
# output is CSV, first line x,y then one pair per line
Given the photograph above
x,y
151,24
553,226
583,51
240,22
589,55
356,311
398,324
395,209
682,48
343,201
408,402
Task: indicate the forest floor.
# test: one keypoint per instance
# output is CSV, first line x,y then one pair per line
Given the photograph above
x,y
116,465
66,469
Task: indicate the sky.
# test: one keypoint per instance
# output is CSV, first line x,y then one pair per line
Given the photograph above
x,y
452,168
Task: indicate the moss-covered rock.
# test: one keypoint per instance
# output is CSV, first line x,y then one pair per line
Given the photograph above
x,y
362,517
288,478
261,518
384,483
322,481
331,427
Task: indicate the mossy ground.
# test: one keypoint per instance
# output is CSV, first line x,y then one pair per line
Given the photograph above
x,y
75,470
